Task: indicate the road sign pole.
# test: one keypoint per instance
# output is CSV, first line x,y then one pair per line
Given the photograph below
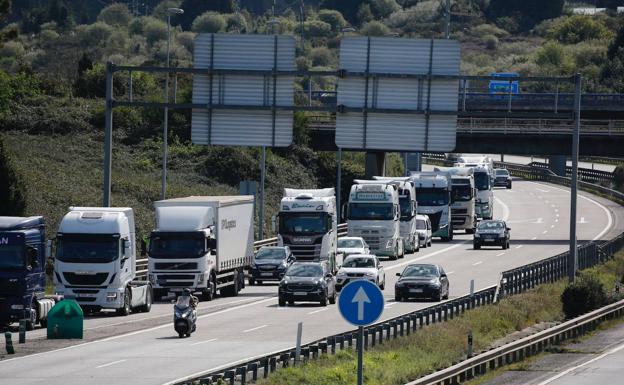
x,y
360,355
338,185
572,255
108,135
262,195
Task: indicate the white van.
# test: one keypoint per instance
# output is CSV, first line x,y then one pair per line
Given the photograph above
x,y
423,228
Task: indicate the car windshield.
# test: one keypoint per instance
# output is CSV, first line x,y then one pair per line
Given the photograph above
x,y
183,301
490,225
270,253
12,257
87,248
350,243
420,271
177,246
359,262
502,173
405,204
432,197
421,224
305,271
461,193
303,223
482,180
373,211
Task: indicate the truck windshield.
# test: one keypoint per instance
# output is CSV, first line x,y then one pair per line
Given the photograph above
x,y
303,223
12,257
87,248
177,246
373,211
461,193
432,197
482,180
406,208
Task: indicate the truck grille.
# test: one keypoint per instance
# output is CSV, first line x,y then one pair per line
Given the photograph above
x,y
373,241
306,252
175,266
176,277
435,220
458,220
459,211
85,280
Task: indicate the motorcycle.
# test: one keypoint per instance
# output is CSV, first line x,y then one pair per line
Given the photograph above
x,y
184,316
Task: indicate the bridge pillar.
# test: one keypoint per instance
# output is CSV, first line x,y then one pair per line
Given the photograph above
x,y
375,164
557,164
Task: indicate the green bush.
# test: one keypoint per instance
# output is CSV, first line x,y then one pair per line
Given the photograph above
x,y
116,14
374,28
209,22
12,189
333,18
584,295
618,177
578,28
490,42
317,28
321,56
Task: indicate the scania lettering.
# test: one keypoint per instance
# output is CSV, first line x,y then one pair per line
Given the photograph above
x,y
433,190
308,225
22,271
96,260
408,207
373,214
201,243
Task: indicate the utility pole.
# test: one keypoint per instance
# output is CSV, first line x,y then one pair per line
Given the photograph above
x,y
447,20
572,255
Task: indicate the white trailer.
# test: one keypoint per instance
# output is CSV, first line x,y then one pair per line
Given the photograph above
x,y
204,243
408,206
95,260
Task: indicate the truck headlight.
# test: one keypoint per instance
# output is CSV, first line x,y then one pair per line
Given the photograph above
x,y
200,278
111,296
17,307
477,235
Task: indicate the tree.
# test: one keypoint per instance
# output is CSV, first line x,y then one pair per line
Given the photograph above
x,y
613,69
194,8
116,14
12,190
383,8
209,22
374,28
527,12
578,28
333,18
5,9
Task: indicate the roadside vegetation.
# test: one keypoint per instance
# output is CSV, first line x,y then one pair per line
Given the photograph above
x,y
440,345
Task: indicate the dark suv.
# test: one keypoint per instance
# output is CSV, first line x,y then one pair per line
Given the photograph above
x,y
270,264
491,233
502,178
307,281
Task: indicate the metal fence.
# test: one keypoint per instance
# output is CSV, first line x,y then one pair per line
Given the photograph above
x,y
585,174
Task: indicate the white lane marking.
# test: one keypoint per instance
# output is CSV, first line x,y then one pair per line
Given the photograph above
x,y
390,304
450,272
565,372
553,206
534,238
544,191
500,254
110,363
477,263
544,232
606,210
318,311
204,342
557,215
539,220
546,201
505,208
583,220
256,328
519,246
444,250
556,219
167,325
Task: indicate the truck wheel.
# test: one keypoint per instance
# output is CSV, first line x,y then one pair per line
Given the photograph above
x,y
148,302
125,309
251,281
332,299
208,294
281,301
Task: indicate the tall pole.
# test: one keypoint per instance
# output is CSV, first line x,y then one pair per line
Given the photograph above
x,y
262,195
163,187
447,20
573,261
339,184
360,347
108,135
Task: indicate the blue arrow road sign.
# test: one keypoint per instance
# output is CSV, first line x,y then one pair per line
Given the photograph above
x,y
361,303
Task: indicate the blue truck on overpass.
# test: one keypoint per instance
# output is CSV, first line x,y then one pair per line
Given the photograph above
x,y
22,271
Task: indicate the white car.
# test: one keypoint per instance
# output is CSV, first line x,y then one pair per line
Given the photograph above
x,y
356,267
423,228
352,245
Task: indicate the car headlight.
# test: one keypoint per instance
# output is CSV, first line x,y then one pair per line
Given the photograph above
x,y
17,307
283,264
400,284
254,266
477,235
370,274
435,282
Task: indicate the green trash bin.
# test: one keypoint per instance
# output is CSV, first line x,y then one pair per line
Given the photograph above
x,y
65,320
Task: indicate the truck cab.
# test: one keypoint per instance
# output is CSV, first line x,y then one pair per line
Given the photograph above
x,y
22,271
463,193
433,189
408,206
95,260
373,213
308,225
484,204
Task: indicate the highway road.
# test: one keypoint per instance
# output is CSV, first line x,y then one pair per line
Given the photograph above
x,y
527,159
237,329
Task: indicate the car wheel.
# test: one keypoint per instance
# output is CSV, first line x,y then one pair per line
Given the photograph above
x,y
398,298
323,300
332,299
251,282
429,245
438,297
383,285
291,302
476,247
281,301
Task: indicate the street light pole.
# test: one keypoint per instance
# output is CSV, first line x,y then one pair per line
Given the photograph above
x,y
163,187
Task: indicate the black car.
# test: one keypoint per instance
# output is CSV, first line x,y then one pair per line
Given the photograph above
x,y
309,282
270,264
491,233
422,281
502,178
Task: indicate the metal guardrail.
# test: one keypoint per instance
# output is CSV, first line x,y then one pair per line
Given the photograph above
x,y
585,174
141,264
519,349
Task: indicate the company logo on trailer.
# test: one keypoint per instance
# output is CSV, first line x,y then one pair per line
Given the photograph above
x,y
226,225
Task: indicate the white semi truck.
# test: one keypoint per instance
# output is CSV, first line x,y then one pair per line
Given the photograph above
x,y
308,225
204,243
463,195
433,190
484,205
373,213
408,206
95,260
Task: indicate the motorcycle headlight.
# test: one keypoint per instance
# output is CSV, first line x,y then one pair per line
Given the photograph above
x,y
178,314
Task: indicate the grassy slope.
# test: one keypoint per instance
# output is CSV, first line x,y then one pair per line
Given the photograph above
x,y
439,345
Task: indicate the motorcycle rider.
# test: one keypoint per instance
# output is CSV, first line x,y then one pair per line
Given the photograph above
x,y
193,300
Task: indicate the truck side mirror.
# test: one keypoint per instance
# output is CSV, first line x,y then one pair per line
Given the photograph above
x,y
143,248
212,244
343,212
274,224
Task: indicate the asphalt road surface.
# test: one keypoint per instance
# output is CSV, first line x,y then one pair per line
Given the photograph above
x,y
236,329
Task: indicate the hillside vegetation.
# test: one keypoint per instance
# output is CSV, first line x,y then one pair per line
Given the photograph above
x,y
52,84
